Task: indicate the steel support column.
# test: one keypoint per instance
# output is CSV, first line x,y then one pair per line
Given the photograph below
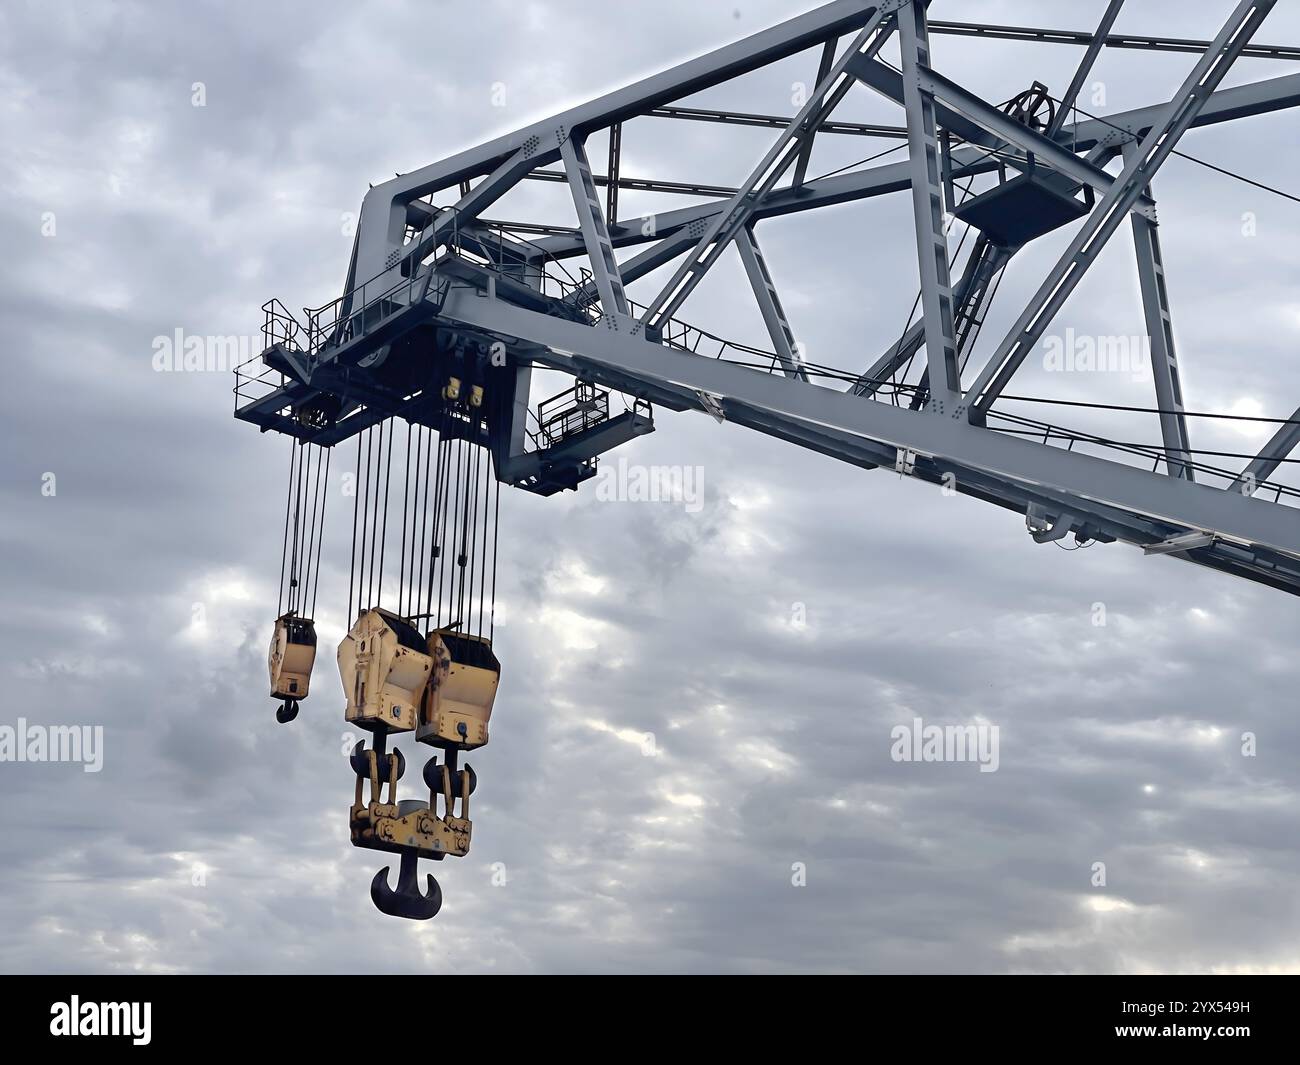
x,y
927,212
1160,331
769,303
604,267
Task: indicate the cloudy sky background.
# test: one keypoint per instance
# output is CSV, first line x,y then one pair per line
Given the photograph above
x,y
216,840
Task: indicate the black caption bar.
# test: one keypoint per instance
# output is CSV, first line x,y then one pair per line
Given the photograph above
x,y
370,1012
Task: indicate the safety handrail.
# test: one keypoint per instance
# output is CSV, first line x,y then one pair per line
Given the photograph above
x,y
349,315
353,313
571,411
279,326
1048,433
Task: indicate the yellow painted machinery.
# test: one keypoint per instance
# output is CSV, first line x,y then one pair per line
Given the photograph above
x,y
384,668
426,666
457,682
290,661
458,702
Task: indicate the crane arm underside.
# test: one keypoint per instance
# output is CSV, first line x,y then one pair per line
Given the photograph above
x,y
1254,537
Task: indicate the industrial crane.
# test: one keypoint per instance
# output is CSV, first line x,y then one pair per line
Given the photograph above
x,y
446,313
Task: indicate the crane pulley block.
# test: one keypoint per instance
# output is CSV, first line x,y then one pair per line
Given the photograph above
x,y
290,661
384,668
292,655
458,700
293,640
413,826
383,822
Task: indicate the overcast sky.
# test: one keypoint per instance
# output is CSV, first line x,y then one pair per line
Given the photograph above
x,y
139,596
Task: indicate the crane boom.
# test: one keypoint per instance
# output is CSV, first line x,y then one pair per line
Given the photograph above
x,y
447,272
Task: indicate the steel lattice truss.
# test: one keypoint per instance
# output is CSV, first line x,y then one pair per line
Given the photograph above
x,y
429,282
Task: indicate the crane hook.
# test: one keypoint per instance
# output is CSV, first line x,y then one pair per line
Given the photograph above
x,y
406,901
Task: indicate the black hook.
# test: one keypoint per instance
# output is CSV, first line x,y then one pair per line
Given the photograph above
x,y
287,711
433,775
406,901
360,761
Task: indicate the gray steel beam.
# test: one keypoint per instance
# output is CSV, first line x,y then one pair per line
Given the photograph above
x,y
1274,453
516,443
476,235
613,168
992,260
822,192
953,443
683,188
570,233
1112,40
1110,211
1007,129
809,132
1225,105
927,211
660,254
974,120
779,158
971,302
466,210
380,227
979,269
748,118
649,260
1160,331
769,304
888,82
1085,66
604,267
